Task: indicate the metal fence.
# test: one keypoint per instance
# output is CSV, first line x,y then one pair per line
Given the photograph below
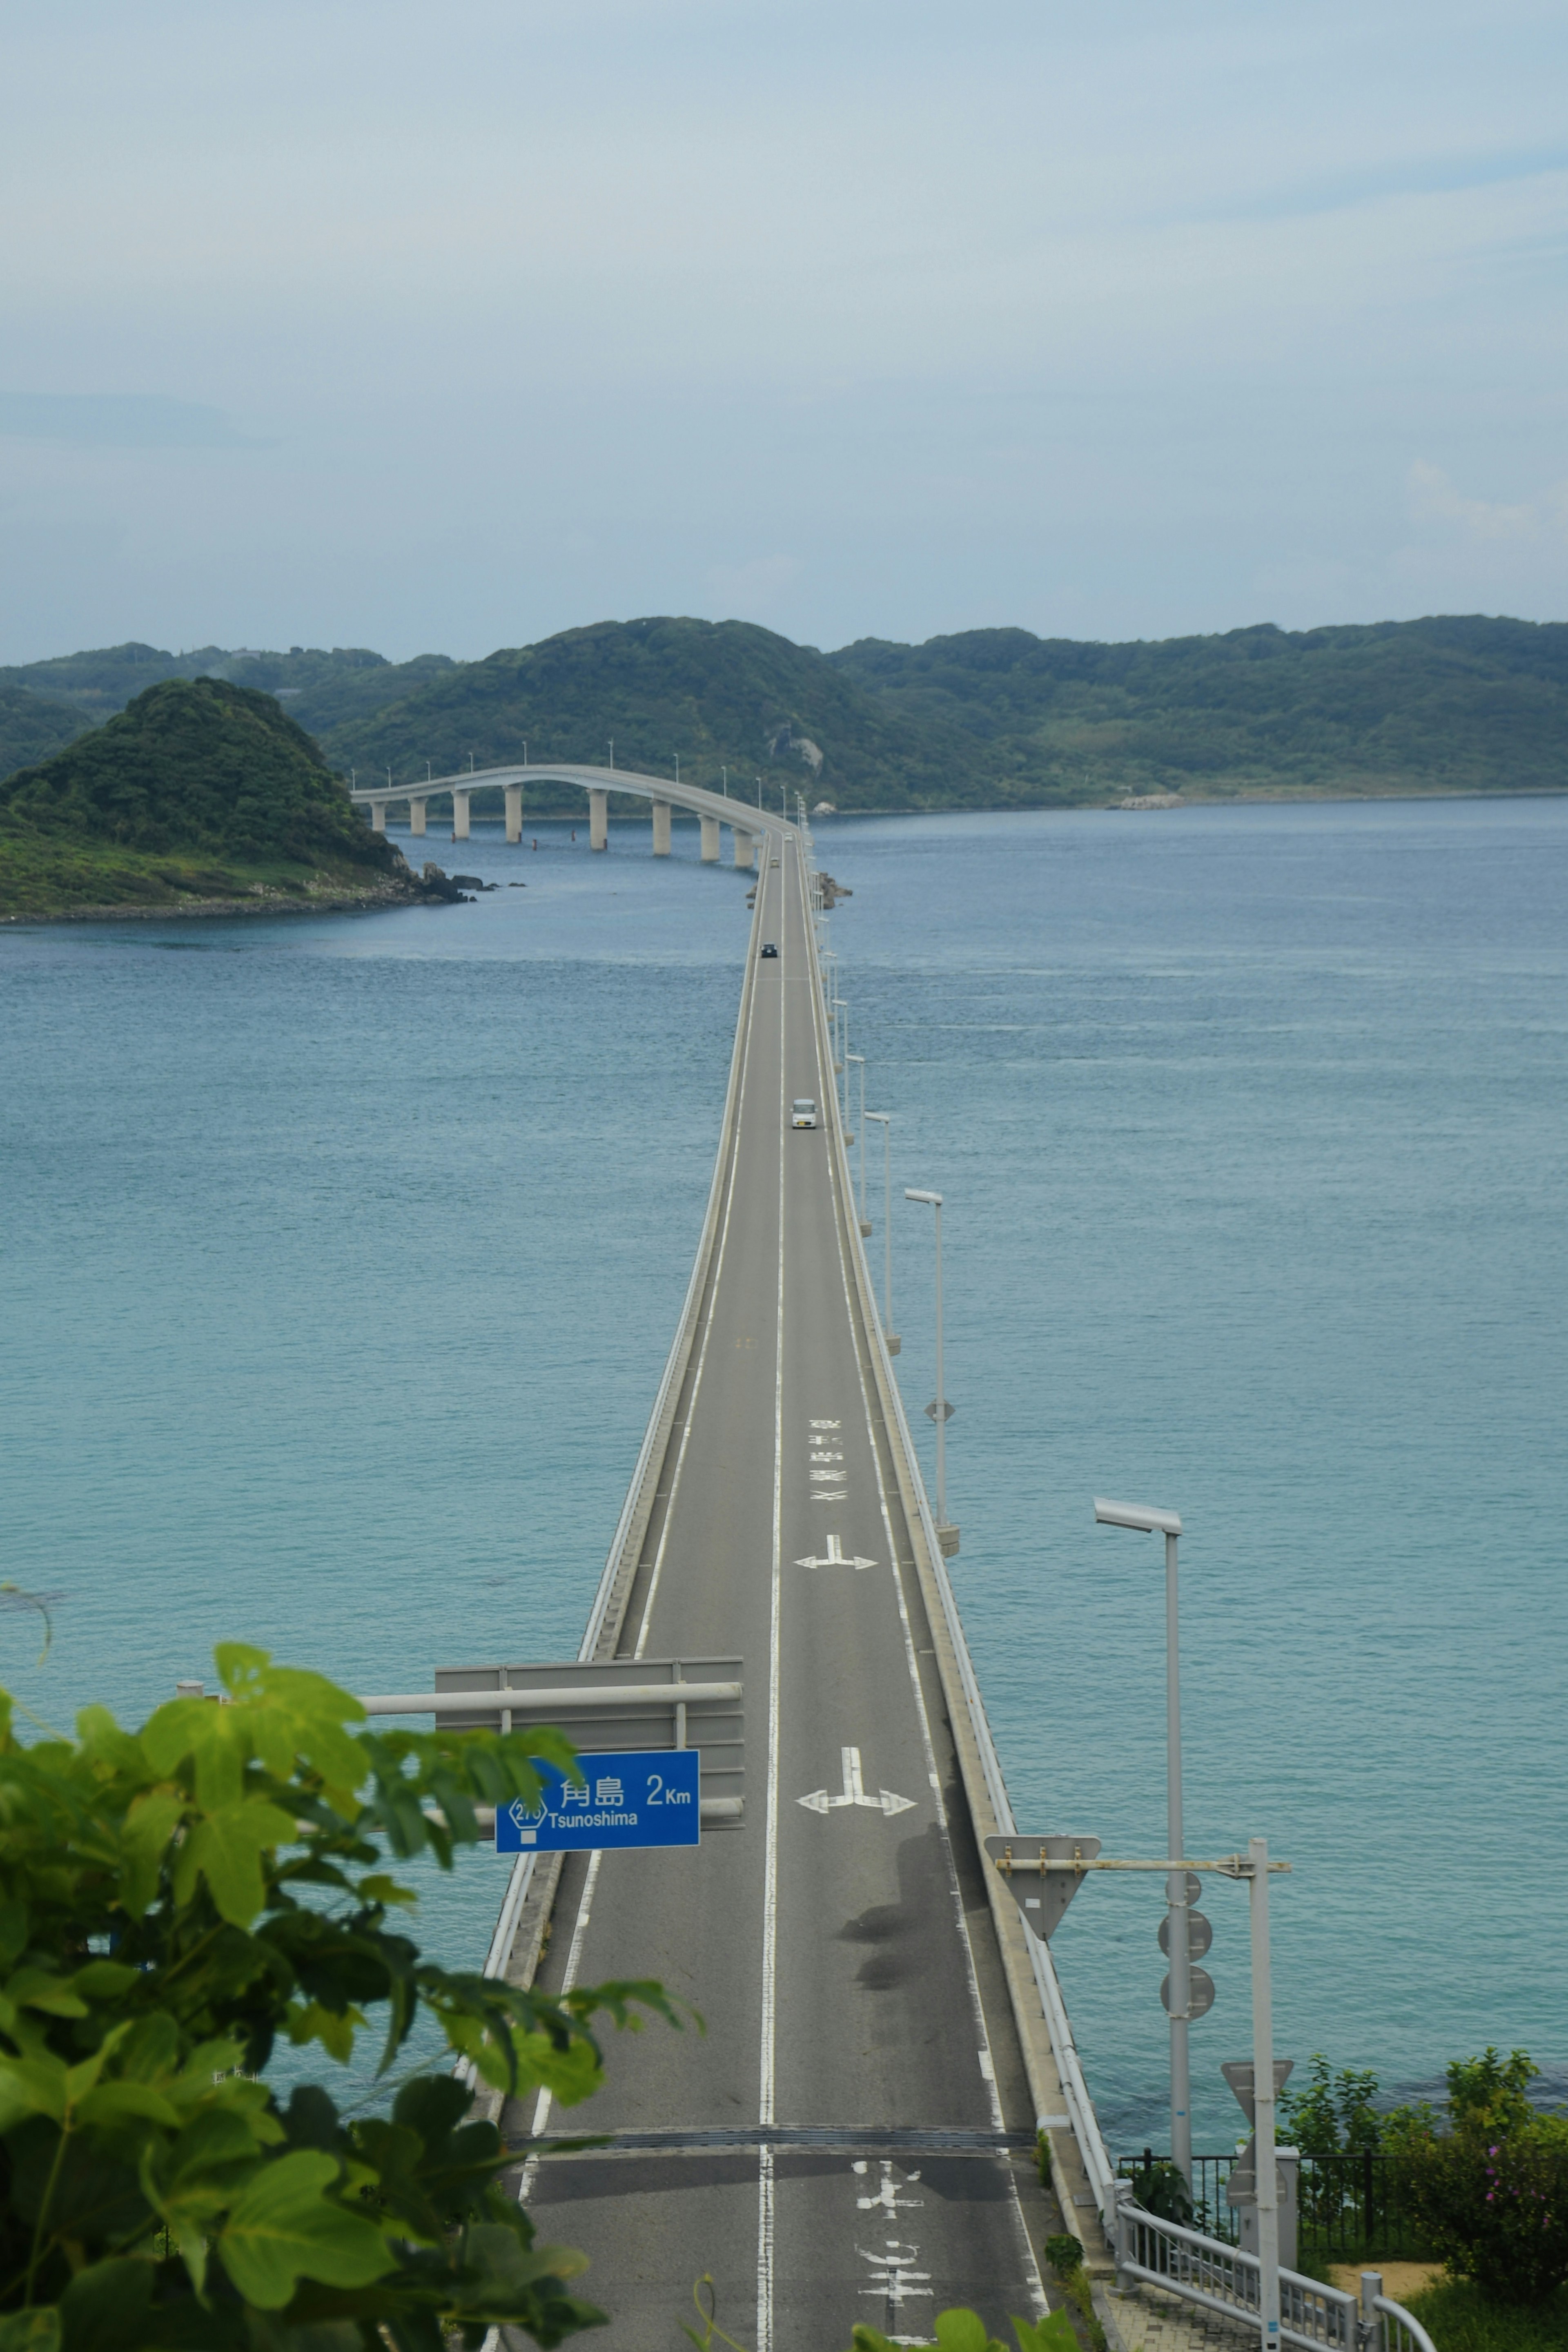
x,y
1349,2205
1221,2278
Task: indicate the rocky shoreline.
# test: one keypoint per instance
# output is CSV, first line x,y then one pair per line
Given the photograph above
x,y
433,887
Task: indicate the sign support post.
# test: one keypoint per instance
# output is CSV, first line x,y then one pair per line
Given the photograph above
x,y
1264,2099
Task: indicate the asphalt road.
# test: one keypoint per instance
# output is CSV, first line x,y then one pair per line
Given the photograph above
x,y
833,2146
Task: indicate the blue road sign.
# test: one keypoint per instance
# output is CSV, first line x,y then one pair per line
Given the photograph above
x,y
650,1797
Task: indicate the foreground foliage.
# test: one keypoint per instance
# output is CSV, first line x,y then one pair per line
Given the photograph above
x,y
965,2331
174,1905
1491,2192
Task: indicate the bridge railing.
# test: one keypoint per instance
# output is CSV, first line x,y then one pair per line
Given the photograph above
x,y
1100,2170
1225,2279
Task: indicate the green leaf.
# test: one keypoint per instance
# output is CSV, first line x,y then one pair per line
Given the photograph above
x,y
30,2331
225,1849
105,2306
284,2228
40,1989
964,2331
32,2087
1051,2334
114,2102
13,1930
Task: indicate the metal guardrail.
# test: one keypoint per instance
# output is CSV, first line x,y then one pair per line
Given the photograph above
x,y
1385,2325
675,1362
1098,2167
1224,2279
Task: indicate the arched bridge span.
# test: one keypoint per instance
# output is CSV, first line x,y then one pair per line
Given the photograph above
x,y
715,809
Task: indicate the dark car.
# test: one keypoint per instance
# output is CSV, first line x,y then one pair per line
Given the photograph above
x,y
769,948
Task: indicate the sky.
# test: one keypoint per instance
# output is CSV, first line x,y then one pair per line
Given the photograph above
x,y
326,323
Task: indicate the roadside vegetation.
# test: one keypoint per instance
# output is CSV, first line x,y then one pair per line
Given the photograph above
x,y
177,1904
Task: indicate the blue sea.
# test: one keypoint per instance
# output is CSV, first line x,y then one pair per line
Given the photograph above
x,y
340,1257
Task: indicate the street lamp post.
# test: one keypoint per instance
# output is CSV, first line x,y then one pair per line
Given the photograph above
x,y
1169,1524
941,1411
841,1037
884,1120
860,1059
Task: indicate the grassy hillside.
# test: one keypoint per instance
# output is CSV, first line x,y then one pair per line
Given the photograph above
x,y
199,791
720,694
1440,705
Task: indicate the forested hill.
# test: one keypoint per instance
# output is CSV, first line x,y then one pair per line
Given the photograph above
x,y
991,718
199,792
1440,705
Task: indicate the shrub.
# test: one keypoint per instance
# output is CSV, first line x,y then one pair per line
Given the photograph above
x,y
1491,2193
173,1901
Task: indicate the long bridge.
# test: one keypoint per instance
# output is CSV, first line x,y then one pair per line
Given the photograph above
x,y
885,2059
853,2135
748,825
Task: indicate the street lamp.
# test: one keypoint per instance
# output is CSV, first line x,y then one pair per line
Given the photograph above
x,y
940,1412
1168,1523
884,1120
860,1059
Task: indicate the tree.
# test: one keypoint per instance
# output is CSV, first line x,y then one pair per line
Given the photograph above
x,y
174,1901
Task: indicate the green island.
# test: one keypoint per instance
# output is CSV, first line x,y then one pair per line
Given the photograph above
x,y
201,796
132,776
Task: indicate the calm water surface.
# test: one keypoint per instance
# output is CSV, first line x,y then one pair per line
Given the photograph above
x,y
341,1258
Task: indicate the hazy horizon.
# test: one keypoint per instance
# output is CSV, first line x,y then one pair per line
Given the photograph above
x,y
888,322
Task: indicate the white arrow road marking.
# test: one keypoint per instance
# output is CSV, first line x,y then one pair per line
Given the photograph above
x,y
819,1802
836,1557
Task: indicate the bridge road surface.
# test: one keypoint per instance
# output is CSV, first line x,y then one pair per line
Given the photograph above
x,y
838,1956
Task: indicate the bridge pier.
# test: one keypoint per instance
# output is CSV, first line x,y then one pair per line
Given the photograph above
x,y
514,813
459,815
416,817
710,840
598,818
378,816
661,828
744,849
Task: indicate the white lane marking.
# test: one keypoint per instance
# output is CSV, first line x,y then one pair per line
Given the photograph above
x,y
573,1961
885,1801
765,2103
955,1893
986,2069
836,1557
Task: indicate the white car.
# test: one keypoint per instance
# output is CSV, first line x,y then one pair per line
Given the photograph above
x,y
803,1113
